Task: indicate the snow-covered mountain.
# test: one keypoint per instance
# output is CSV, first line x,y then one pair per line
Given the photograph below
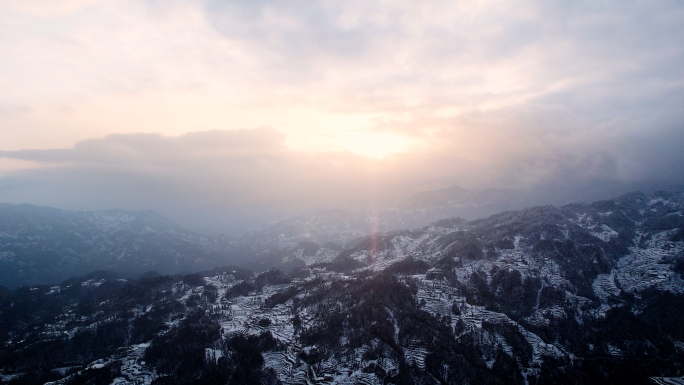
x,y
633,236
305,239
308,238
46,245
582,294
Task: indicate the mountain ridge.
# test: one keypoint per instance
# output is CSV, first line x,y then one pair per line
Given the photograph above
x,y
582,294
35,239
47,245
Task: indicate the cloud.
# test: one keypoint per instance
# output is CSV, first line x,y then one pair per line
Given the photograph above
x,y
220,181
203,176
321,71
567,96
407,55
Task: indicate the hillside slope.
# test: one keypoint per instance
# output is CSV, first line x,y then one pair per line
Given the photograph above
x,y
46,245
581,294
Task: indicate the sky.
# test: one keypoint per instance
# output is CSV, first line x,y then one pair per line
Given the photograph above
x,y
220,114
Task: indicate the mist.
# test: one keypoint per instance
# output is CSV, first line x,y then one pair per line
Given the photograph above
x,y
225,181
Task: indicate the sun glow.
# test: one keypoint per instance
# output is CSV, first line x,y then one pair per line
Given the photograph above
x,y
375,144
368,143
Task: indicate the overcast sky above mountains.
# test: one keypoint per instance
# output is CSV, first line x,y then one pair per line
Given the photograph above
x,y
251,110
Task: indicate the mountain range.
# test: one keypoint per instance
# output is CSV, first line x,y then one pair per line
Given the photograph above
x,y
41,245
577,294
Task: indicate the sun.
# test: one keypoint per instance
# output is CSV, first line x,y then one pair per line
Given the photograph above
x,y
374,144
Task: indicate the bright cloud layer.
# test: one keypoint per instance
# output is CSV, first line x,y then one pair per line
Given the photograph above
x,y
406,95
